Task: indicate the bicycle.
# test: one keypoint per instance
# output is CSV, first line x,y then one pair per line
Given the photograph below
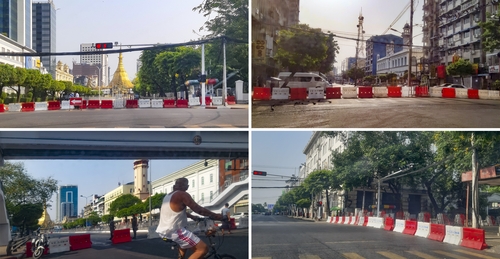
x,y
210,232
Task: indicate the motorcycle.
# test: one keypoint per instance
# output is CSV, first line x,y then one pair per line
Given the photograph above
x,y
39,243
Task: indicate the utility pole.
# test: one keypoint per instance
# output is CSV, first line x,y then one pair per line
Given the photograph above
x,y
475,190
411,44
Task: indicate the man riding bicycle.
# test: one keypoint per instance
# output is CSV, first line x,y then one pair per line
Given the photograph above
x,y
173,220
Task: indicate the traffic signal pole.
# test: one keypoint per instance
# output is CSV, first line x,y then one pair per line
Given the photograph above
x,y
203,72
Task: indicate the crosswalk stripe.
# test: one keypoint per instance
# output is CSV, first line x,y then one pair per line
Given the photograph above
x,y
451,255
474,254
422,255
390,255
353,256
309,257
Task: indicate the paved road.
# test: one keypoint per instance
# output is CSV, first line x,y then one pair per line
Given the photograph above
x,y
128,118
280,237
377,113
235,244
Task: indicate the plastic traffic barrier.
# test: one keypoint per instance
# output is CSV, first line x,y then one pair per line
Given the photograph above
x,y
437,232
182,104
316,93
365,223
131,104
435,92
168,103
280,93
399,226
421,91
158,103
349,92
380,91
28,107
121,236
208,100
453,235
410,227
54,105
231,99
2,107
342,220
107,104
474,238
361,221
348,220
41,106
461,93
394,91
423,229
336,219
333,93
261,93
365,92
448,92
57,245
93,104
298,93
472,93
79,242
389,224
144,103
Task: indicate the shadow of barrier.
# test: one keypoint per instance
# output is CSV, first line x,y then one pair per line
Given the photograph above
x,y
132,104
79,242
474,238
107,104
168,103
54,105
28,107
121,236
260,93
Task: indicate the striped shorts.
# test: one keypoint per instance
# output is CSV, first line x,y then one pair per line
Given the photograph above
x,y
185,238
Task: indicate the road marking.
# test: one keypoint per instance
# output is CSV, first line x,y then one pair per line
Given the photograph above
x,y
450,255
261,257
309,257
353,256
422,255
474,254
391,255
353,241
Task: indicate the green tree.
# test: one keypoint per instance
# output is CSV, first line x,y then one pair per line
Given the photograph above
x,y
6,76
383,78
301,48
94,219
107,218
230,19
490,29
32,82
331,53
122,202
460,68
156,201
356,73
369,79
18,80
319,181
25,216
258,208
391,77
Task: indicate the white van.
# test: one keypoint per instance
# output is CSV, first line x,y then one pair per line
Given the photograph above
x,y
303,80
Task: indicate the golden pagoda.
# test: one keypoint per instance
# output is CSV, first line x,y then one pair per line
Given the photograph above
x,y
120,82
44,221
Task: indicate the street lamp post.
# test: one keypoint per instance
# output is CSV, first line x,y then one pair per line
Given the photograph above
x,y
86,219
99,81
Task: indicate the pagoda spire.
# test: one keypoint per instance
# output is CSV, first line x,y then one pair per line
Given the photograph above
x,y
120,82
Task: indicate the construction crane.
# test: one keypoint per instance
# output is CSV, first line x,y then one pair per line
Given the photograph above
x,y
360,49
398,17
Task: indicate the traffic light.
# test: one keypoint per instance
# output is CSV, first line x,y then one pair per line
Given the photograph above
x,y
261,173
105,45
319,203
202,78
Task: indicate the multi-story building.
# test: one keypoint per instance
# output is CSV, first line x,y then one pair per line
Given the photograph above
x,y
67,202
101,60
268,17
376,47
86,74
63,73
347,64
122,189
430,40
44,33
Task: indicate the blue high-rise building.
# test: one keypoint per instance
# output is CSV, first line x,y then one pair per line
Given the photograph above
x,y
67,202
15,20
376,47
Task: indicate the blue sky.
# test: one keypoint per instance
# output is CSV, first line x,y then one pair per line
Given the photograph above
x,y
279,153
95,176
127,22
341,17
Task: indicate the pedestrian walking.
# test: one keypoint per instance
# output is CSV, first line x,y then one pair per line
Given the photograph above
x,y
134,225
111,227
226,214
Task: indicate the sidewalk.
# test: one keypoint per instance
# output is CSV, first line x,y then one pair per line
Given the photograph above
x,y
232,106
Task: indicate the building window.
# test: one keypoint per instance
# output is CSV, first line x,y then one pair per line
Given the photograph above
x,y
211,195
202,197
192,183
211,178
228,165
466,35
202,180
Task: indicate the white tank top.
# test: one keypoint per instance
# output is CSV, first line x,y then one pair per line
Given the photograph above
x,y
170,220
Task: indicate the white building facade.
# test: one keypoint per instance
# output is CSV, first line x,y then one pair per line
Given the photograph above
x,y
99,59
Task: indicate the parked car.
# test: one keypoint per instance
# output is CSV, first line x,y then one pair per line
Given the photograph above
x,y
448,85
240,215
